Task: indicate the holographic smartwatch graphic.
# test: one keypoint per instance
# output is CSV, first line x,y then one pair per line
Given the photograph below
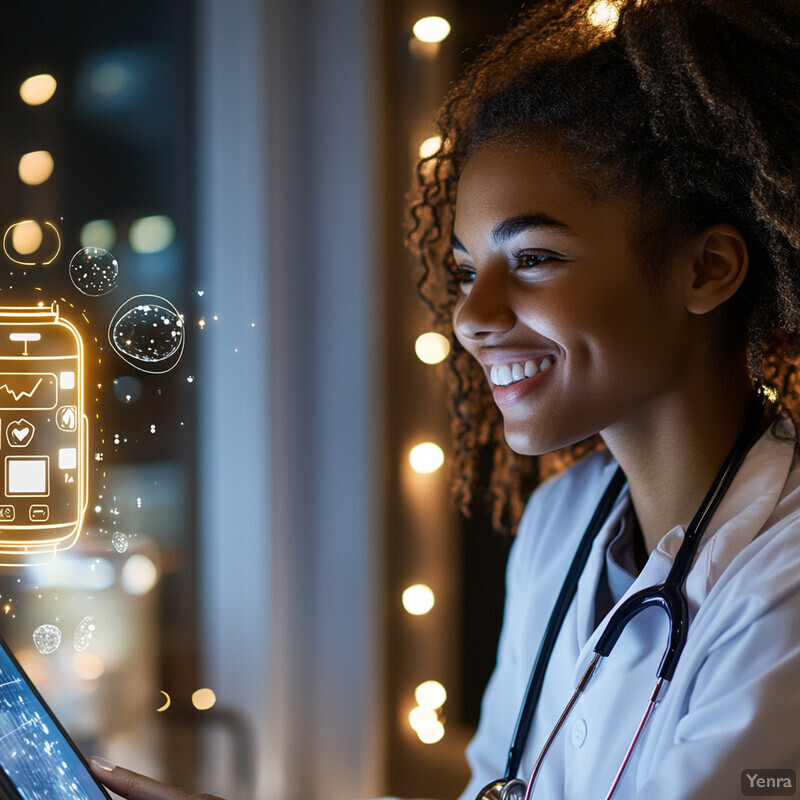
x,y
43,435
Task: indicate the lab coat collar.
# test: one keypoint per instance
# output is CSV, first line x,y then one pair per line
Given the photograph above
x,y
742,513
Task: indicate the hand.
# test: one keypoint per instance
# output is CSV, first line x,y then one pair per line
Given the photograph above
x,y
134,786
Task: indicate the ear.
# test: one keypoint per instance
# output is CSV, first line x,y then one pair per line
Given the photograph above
x,y
720,261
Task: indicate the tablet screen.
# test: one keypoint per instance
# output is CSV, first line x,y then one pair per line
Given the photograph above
x,y
35,755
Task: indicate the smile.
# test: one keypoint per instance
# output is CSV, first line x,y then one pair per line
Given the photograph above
x,y
506,374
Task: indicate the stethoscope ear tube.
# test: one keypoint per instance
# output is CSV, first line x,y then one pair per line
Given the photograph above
x,y
557,616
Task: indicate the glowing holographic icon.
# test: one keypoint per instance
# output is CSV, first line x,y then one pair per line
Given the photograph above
x,y
24,243
94,271
47,639
147,331
83,634
120,541
44,492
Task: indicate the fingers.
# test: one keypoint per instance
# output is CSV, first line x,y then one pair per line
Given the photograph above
x,y
134,786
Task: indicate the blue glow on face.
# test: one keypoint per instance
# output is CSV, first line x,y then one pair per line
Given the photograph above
x,y
34,753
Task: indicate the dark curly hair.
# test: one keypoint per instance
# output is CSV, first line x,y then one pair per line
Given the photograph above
x,y
693,105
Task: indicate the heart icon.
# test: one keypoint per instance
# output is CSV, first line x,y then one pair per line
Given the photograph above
x,y
19,433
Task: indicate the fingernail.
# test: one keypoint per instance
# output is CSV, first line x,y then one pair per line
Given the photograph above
x,y
102,763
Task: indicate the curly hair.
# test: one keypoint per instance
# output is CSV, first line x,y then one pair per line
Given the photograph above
x,y
694,105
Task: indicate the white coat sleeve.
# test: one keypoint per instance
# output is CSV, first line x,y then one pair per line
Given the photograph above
x,y
743,710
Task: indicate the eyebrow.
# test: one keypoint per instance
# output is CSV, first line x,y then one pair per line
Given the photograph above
x,y
513,226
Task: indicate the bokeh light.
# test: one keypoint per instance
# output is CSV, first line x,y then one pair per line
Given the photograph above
x,y
37,89
203,699
431,348
430,146
430,695
26,237
99,233
36,167
426,457
418,599
139,575
431,29
152,234
603,14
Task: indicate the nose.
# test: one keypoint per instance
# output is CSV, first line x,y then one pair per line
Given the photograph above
x,y
484,310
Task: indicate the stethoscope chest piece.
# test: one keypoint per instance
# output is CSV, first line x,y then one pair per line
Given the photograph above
x,y
504,789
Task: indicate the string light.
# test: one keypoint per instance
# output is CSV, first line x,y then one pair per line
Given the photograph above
x,y
431,348
426,457
431,29
418,599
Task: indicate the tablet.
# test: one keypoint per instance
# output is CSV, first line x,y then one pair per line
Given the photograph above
x,y
38,760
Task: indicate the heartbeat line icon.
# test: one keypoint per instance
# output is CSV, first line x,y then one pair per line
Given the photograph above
x,y
16,395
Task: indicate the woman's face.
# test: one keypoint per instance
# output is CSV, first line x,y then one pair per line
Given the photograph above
x,y
554,305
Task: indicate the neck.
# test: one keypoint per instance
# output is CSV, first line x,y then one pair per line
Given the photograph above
x,y
672,453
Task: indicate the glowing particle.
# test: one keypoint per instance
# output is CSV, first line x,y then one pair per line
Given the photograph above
x,y
120,542
83,634
138,502
47,638
98,509
152,429
201,323
147,332
190,379
94,271
200,292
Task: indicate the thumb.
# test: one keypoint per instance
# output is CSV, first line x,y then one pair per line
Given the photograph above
x,y
134,786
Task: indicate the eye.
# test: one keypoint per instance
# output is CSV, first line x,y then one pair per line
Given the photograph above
x,y
528,260
462,274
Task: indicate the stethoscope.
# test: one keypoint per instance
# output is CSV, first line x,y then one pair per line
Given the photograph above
x,y
668,596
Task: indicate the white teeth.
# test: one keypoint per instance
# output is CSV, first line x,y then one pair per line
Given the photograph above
x,y
506,374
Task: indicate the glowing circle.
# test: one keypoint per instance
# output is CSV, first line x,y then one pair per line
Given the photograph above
x,y
432,348
418,599
432,733
426,457
203,699
37,89
36,167
26,238
94,271
431,29
25,234
603,14
430,146
83,634
99,233
147,332
47,638
139,575
430,695
152,234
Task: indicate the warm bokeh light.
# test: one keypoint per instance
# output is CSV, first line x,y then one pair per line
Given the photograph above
x,y
418,599
99,233
37,89
430,146
420,718
603,14
430,695
26,237
431,348
203,699
432,733
431,29
35,167
139,575
152,234
426,457
88,666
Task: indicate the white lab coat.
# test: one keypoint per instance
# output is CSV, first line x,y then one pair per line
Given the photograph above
x,y
734,701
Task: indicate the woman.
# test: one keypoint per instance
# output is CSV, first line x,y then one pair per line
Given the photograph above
x,y
610,235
